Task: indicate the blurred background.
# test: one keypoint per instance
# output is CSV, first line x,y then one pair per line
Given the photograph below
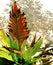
x,y
39,15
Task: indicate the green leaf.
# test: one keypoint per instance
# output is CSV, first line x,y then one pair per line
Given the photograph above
x,y
23,46
5,54
3,49
27,54
14,57
13,43
37,46
4,39
8,42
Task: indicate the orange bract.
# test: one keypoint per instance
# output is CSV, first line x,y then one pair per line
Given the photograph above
x,y
15,8
18,26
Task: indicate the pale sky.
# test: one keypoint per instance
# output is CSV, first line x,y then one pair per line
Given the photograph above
x,y
47,4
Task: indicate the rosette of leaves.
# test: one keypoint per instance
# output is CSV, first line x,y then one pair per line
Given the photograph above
x,y
10,50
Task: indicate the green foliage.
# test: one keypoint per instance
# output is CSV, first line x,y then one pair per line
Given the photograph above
x,y
5,54
9,42
4,39
26,55
13,43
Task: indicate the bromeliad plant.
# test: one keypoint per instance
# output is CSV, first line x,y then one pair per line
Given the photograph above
x,y
13,45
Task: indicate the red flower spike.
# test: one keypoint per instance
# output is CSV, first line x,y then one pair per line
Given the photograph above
x,y
18,26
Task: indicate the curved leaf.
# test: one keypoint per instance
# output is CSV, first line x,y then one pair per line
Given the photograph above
x,y
5,54
27,54
4,39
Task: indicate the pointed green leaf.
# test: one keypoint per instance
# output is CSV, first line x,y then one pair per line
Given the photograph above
x,y
37,46
13,43
4,39
8,42
5,54
23,46
27,54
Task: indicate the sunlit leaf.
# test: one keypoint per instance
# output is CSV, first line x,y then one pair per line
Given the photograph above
x,y
5,54
8,42
23,46
37,46
4,39
27,54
